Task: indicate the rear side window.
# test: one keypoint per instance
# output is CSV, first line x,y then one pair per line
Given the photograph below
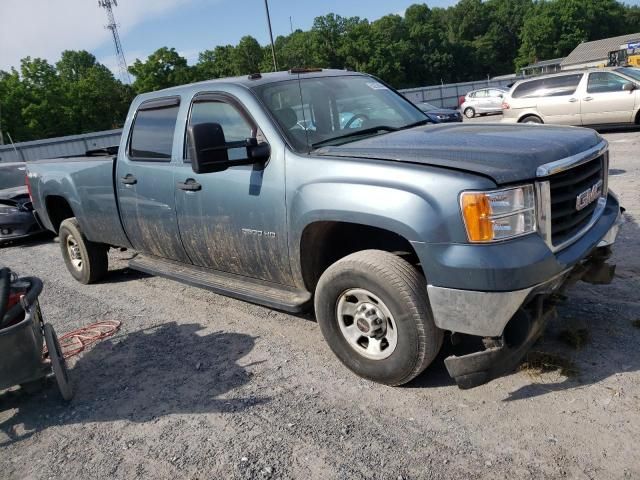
x,y
153,129
603,82
548,87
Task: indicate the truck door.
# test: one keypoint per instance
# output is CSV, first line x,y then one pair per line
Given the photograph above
x,y
144,181
235,220
606,101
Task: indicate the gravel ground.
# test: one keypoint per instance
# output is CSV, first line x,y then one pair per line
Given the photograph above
x,y
198,386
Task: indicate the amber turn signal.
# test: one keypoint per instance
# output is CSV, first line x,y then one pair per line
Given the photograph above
x,y
476,210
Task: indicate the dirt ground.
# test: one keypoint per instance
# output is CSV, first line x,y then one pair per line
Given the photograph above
x,y
200,386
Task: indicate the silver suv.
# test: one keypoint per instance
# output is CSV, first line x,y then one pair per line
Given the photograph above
x,y
602,96
483,101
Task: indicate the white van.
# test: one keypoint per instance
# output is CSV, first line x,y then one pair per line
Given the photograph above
x,y
602,96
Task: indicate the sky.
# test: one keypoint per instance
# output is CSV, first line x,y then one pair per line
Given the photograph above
x,y
44,28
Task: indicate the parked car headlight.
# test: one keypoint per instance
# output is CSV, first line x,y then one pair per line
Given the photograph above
x,y
441,117
498,214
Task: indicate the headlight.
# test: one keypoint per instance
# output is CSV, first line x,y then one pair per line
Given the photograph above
x,y
441,117
499,214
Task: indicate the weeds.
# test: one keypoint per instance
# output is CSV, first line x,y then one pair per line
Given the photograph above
x,y
544,362
575,337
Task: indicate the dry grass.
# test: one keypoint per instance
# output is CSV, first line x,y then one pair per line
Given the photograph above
x,y
537,362
575,337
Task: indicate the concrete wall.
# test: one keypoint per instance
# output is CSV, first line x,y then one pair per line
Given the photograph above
x,y
447,95
59,147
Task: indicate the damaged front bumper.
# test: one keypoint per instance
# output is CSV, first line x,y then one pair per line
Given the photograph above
x,y
511,321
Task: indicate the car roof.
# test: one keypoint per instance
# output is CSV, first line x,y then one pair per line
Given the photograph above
x,y
254,80
563,73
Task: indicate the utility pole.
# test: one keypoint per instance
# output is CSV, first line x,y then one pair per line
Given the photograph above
x,y
113,26
1,137
273,47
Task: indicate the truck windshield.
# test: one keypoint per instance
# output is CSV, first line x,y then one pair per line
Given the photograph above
x,y
321,111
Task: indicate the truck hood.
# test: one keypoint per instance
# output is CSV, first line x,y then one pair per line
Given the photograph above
x,y
505,153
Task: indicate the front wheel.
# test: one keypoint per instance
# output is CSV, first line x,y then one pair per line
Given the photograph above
x,y
86,261
469,112
373,311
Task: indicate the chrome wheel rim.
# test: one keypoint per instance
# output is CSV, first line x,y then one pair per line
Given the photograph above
x,y
367,324
75,255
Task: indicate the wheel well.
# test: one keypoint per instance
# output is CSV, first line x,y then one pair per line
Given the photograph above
x,y
638,117
58,210
324,243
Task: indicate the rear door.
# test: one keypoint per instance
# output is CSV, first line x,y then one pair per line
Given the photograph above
x,y
557,99
495,99
145,184
605,101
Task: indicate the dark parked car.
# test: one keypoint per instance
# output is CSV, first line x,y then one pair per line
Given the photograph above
x,y
16,211
439,115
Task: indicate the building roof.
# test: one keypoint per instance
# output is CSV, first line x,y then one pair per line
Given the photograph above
x,y
545,63
597,50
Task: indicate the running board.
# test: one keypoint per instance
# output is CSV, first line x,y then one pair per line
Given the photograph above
x,y
269,294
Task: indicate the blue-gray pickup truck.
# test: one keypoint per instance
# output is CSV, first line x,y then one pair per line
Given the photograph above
x,y
329,189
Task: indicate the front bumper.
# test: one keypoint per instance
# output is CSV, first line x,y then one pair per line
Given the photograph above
x,y
519,316
476,289
17,225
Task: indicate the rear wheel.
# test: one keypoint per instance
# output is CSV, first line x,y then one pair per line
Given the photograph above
x,y
373,310
531,119
469,112
86,261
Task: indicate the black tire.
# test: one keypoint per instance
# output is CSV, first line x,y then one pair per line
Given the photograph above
x,y
403,292
469,112
94,262
58,363
532,119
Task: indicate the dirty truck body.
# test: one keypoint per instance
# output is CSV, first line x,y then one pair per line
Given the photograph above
x,y
329,188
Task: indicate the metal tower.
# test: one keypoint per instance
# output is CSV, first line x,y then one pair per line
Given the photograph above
x,y
122,63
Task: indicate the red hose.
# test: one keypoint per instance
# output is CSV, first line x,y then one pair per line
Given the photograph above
x,y
74,342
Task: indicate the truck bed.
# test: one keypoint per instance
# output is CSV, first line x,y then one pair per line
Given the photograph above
x,y
88,187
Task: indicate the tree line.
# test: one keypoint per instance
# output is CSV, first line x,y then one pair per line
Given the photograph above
x,y
472,39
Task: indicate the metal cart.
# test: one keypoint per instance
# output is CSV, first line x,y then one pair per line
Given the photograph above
x,y
23,361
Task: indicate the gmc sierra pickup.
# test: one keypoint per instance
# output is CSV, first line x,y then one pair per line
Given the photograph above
x,y
329,188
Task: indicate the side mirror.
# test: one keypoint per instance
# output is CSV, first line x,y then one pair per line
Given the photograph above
x,y
209,150
628,87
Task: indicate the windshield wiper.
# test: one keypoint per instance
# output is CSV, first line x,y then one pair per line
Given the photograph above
x,y
416,124
384,128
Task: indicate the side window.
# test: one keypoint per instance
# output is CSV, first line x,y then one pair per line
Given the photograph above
x,y
563,85
235,125
152,131
495,93
527,89
481,94
548,87
602,82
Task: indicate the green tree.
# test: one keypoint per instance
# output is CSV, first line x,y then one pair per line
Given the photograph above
x,y
93,98
216,63
163,68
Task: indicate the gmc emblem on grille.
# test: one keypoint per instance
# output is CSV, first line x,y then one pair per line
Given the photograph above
x,y
589,196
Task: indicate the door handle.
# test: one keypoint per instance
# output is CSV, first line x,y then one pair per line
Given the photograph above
x,y
587,99
573,100
189,185
129,179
